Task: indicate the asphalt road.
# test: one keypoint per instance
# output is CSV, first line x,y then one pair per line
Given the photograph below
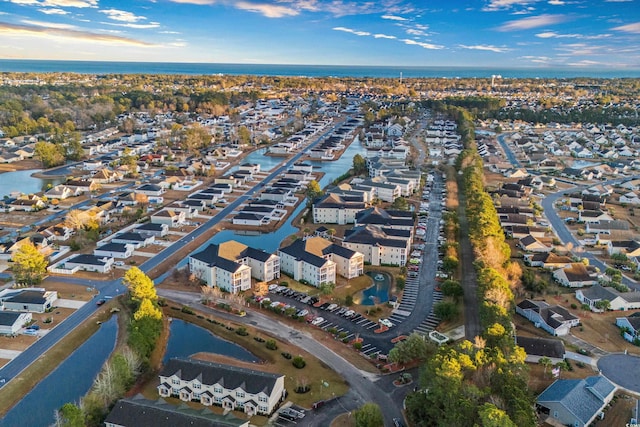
x,y
622,369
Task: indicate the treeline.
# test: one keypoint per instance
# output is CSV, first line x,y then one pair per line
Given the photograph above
x,y
484,383
128,362
597,114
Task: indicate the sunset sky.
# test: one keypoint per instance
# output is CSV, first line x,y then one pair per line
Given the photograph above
x,y
505,33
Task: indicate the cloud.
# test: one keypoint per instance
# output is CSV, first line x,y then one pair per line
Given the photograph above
x,y
49,32
349,30
415,32
134,26
384,36
267,10
495,5
532,22
394,18
54,11
629,28
122,15
48,24
422,44
584,63
557,2
617,1
57,3
490,48
554,35
170,32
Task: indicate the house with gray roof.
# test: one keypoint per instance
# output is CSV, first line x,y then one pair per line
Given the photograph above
x,y
379,245
138,411
336,209
12,322
555,319
88,262
537,348
398,220
233,388
576,275
215,269
576,402
35,300
137,240
617,300
630,326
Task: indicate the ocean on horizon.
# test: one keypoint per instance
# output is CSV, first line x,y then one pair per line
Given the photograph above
x,y
105,67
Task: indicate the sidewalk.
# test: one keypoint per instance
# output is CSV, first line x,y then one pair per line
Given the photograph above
x,y
596,352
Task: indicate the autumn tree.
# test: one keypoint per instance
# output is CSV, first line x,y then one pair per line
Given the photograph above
x,y
359,165
147,309
140,285
313,191
29,265
49,154
244,135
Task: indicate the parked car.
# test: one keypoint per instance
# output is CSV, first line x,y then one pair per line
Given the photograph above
x,y
386,322
317,321
101,301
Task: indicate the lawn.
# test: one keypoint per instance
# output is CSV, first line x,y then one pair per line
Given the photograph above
x,y
312,374
539,380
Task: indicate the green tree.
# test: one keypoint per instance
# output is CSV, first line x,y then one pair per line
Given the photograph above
x,y
546,362
140,285
359,165
244,135
400,203
603,304
452,288
70,416
327,288
445,310
29,265
413,348
369,415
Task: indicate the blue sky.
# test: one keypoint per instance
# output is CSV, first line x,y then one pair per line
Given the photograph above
x,y
492,33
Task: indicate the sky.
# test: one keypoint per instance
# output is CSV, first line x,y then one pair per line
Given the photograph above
x,y
598,34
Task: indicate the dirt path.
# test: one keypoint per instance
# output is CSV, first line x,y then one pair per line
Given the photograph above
x,y
469,278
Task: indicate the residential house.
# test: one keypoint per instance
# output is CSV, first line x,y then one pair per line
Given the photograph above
x,y
576,275
531,244
89,262
576,402
82,185
150,190
11,323
537,348
630,198
27,205
593,216
138,411
631,248
630,326
617,300
156,230
555,319
170,217
114,250
265,267
60,192
137,240
336,209
215,270
233,388
304,263
33,300
397,220
379,245
548,260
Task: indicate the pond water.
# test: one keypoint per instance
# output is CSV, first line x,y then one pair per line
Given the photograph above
x,y
67,383
22,182
258,156
186,339
376,293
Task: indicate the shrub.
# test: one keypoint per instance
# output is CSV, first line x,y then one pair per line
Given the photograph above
x,y
259,339
286,355
299,362
302,389
271,345
574,306
348,301
187,310
357,346
242,331
285,284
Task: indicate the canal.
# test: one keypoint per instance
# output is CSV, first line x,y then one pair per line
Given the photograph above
x,y
21,182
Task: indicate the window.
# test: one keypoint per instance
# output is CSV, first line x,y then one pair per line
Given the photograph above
x,y
263,408
239,393
217,389
262,399
197,386
175,381
217,399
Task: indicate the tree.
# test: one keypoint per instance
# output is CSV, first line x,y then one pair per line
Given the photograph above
x,y
359,165
546,362
140,285
603,305
452,288
313,191
491,416
49,154
369,415
29,265
413,348
327,288
244,135
400,204
147,309
70,415
445,310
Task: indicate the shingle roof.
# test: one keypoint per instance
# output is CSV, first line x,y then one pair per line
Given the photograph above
x,y
374,235
113,247
298,250
87,259
142,412
542,346
230,377
210,255
583,398
8,318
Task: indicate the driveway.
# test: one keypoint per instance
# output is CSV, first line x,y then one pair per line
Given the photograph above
x,y
622,369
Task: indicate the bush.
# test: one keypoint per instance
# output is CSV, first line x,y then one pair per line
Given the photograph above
x,y
259,339
187,310
285,284
299,362
357,346
574,306
348,301
286,355
271,345
242,331
302,389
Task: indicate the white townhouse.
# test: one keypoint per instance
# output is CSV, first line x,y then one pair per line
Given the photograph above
x,y
89,262
215,270
384,191
265,267
114,250
231,387
137,240
336,209
379,245
304,261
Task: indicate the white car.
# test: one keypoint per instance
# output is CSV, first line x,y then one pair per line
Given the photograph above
x,y
317,321
332,307
386,322
272,287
